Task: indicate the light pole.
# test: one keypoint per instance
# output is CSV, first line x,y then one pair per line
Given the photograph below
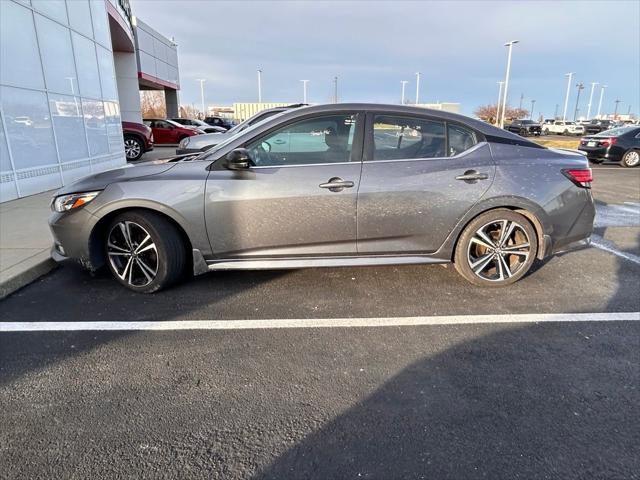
x,y
521,99
417,86
555,113
533,102
304,90
566,98
498,104
335,89
259,85
580,87
593,87
506,80
602,87
615,112
202,80
404,83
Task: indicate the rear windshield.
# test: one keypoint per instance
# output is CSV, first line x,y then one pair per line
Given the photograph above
x,y
615,132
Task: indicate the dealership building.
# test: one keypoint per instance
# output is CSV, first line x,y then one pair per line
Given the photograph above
x,y
70,72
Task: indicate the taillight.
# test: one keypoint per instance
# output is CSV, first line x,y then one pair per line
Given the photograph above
x,y
608,141
582,178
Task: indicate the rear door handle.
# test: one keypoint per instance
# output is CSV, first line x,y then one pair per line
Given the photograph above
x,y
472,176
336,184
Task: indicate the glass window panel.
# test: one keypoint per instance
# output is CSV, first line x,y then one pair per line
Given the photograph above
x,y
19,58
88,75
100,22
29,127
80,16
114,127
325,139
94,122
57,56
460,139
68,124
397,138
107,75
5,161
54,8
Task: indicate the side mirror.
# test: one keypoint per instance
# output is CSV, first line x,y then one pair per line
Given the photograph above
x,y
238,159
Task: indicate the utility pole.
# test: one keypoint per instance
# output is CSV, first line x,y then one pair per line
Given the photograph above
x,y
593,86
506,80
498,104
555,113
566,98
259,86
580,87
202,80
533,102
304,90
521,99
615,112
417,87
404,83
602,87
335,89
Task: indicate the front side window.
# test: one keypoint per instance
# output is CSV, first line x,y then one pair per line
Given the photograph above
x,y
397,138
460,139
325,139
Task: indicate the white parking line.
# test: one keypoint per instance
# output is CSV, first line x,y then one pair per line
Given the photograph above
x,y
319,322
599,242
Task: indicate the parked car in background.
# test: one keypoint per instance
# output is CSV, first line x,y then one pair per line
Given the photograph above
x,y
199,124
138,139
170,132
284,194
221,122
560,127
616,145
525,128
204,142
597,126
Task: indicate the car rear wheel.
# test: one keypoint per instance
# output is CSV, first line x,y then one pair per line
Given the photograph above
x,y
497,248
566,132
133,148
546,131
144,251
631,159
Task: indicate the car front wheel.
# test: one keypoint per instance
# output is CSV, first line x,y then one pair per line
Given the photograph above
x,y
631,159
133,148
497,248
144,251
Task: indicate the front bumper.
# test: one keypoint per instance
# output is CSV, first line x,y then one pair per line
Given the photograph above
x,y
72,237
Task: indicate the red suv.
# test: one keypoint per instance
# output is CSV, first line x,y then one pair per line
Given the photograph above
x,y
167,131
138,138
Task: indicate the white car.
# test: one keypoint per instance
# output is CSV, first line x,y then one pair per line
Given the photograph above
x,y
560,127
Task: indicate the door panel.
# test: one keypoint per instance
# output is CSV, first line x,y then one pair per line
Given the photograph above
x,y
282,211
411,205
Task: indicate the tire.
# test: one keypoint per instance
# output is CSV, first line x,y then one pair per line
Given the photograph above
x,y
505,265
566,132
546,131
522,132
163,253
133,148
631,159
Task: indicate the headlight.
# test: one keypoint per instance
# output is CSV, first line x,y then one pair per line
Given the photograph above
x,y
184,142
64,203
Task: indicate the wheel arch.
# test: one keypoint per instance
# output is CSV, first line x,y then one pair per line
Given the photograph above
x,y
99,230
526,208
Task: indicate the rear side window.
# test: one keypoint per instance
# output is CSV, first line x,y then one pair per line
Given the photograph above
x,y
396,138
460,139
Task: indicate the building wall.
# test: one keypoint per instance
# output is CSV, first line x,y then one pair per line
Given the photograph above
x,y
157,56
242,111
59,110
447,107
128,89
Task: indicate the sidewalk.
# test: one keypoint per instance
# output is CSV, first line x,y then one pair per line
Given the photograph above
x,y
25,241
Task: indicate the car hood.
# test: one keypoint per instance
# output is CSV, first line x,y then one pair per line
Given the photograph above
x,y
99,181
207,140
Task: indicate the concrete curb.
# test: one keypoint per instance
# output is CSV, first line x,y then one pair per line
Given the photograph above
x,y
26,272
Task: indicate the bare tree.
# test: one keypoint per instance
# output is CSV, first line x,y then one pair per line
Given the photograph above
x,y
189,111
152,104
488,113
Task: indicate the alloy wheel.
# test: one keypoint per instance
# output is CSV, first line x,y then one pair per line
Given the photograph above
x,y
498,250
132,253
632,158
131,148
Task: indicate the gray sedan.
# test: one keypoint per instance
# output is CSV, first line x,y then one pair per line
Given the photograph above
x,y
334,185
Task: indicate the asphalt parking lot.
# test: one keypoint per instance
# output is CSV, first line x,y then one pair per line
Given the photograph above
x,y
466,400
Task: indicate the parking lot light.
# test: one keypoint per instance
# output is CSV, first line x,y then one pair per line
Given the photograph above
x,y
506,80
593,87
497,123
404,83
202,80
417,87
602,87
566,98
304,90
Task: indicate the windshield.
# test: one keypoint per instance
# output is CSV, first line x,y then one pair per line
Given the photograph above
x,y
615,132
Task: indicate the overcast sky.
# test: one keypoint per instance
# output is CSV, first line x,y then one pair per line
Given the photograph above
x,y
372,46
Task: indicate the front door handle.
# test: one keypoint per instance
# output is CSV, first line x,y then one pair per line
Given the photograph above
x,y
336,184
472,176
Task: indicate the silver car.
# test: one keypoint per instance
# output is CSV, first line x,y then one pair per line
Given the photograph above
x,y
334,185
